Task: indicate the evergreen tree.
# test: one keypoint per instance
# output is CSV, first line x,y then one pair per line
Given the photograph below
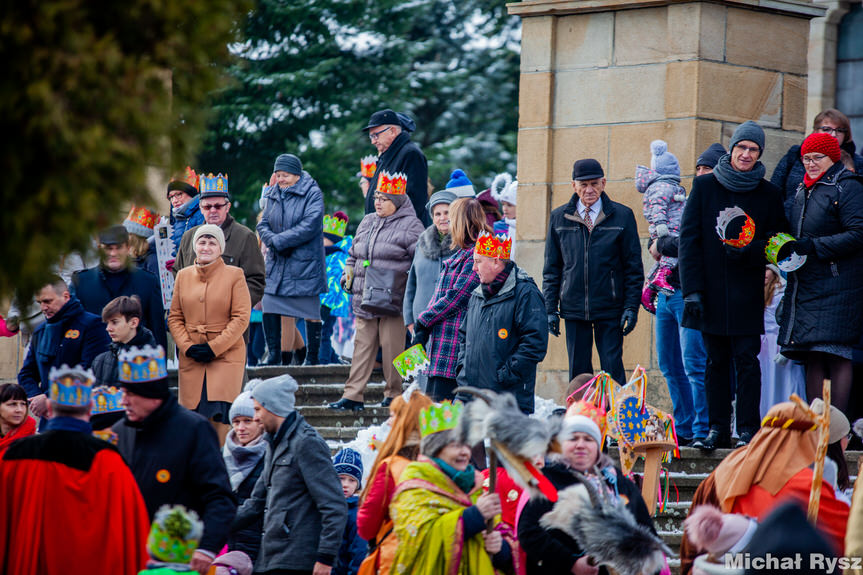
x,y
92,92
308,76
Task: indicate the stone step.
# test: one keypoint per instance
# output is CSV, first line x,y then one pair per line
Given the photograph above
x,y
321,417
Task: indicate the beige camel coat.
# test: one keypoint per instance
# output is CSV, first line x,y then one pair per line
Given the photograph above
x,y
211,305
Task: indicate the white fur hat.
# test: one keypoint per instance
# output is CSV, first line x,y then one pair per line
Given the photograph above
x,y
504,188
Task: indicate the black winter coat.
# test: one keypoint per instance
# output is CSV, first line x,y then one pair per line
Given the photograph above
x,y
789,173
593,275
175,458
105,366
81,336
248,540
732,289
553,552
501,339
823,301
92,288
406,157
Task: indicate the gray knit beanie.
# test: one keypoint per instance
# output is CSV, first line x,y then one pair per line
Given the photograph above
x,y
748,130
276,394
288,163
243,406
583,424
663,161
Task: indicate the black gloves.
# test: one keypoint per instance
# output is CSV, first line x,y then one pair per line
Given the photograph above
x,y
421,334
692,305
803,247
201,352
628,320
554,324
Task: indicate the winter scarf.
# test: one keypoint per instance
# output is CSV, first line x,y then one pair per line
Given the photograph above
x,y
736,181
463,479
47,346
26,429
434,245
491,290
242,459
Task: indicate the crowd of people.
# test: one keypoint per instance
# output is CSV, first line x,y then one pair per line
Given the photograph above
x,y
755,289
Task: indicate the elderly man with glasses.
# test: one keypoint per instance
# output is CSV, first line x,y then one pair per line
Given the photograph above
x,y
241,243
398,154
723,279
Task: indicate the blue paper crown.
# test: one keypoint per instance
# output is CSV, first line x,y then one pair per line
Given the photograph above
x,y
106,399
71,386
211,183
141,364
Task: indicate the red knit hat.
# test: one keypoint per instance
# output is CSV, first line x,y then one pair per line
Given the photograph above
x,y
821,143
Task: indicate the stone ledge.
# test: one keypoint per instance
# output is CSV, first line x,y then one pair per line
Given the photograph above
x,y
533,8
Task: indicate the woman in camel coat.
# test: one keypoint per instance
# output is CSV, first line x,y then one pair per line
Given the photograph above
x,y
210,311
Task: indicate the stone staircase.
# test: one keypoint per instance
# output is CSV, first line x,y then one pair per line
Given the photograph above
x,y
320,385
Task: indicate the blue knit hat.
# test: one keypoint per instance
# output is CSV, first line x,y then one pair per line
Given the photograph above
x,y
349,462
663,161
748,130
460,185
288,163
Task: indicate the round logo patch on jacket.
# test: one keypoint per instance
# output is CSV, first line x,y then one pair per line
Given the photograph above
x,y
73,334
502,333
163,476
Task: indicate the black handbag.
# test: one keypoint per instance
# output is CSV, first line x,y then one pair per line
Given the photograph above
x,y
381,293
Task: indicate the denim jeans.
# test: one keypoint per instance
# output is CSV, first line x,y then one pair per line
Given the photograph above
x,y
682,360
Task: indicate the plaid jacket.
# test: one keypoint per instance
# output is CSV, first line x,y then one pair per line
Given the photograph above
x,y
444,313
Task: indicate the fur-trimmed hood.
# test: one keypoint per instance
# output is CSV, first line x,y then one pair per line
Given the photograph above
x,y
433,246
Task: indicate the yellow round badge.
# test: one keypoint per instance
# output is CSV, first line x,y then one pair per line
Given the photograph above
x,y
502,333
163,476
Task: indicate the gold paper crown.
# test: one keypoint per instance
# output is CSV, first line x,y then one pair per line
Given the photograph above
x,y
211,183
71,386
394,184
142,364
107,400
368,166
141,221
494,246
188,177
335,226
439,417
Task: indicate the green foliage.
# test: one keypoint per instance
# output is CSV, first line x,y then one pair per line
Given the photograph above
x,y
308,75
93,93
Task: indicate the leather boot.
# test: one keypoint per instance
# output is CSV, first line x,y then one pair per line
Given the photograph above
x,y
313,342
273,335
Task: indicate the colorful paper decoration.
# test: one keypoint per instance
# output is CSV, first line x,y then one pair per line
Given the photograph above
x,y
412,361
439,417
792,263
746,235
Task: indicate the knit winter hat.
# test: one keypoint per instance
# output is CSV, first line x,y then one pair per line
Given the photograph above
x,y
504,188
663,161
243,406
349,462
276,394
821,143
839,425
716,532
241,563
710,156
460,185
748,130
288,163
583,424
210,230
441,197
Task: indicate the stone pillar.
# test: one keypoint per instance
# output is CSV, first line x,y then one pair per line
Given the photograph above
x,y
823,43
603,78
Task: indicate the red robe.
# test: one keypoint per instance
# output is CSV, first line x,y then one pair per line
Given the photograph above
x,y
69,505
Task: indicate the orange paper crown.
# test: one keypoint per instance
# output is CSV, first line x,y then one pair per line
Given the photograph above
x,y
491,246
142,217
368,165
394,184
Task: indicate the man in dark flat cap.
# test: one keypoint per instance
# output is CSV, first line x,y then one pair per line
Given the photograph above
x,y
397,153
593,272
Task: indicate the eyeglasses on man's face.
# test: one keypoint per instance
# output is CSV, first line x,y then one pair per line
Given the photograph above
x,y
208,207
373,136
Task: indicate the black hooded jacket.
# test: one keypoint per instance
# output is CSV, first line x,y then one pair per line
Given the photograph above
x,y
406,157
